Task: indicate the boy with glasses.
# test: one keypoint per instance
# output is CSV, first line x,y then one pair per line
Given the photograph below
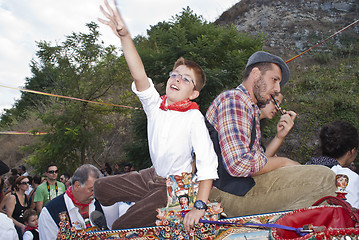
x,y
48,190
176,129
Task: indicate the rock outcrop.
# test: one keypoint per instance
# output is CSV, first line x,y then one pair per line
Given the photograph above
x,y
292,26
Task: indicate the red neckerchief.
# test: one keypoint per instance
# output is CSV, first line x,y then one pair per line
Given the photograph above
x,y
27,228
182,106
69,193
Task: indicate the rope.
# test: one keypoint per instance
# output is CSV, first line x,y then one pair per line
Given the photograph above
x,y
341,30
299,231
23,133
72,98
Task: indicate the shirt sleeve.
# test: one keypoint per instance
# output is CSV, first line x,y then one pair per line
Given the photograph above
x,y
7,228
234,127
206,157
39,194
28,236
47,227
150,98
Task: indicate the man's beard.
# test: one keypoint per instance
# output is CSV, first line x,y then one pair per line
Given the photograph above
x,y
260,87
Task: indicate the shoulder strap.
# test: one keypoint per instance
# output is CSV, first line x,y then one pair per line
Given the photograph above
x,y
253,133
235,185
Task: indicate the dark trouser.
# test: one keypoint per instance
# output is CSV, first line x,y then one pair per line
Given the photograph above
x,y
145,188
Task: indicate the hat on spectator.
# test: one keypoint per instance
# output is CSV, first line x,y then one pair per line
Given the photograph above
x,y
261,56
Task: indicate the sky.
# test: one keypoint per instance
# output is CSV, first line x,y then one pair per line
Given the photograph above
x,y
25,22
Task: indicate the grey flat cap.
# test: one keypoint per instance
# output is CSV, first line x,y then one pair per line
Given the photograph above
x,y
261,56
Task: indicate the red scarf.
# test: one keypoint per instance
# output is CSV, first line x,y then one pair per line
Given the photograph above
x,y
27,228
71,196
182,106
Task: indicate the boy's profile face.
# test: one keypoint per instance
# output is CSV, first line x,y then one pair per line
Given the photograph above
x,y
177,89
33,221
269,110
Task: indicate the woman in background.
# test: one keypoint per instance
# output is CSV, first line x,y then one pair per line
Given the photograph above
x,y
18,203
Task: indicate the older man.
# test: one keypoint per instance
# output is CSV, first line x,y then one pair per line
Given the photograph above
x,y
78,201
249,182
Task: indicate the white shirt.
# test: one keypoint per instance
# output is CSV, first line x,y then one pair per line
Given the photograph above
x,y
47,227
7,228
353,185
173,135
28,235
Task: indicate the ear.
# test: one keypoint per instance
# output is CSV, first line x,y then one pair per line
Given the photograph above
x,y
76,186
194,95
256,73
350,156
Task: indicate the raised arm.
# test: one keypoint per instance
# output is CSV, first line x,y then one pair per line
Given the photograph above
x,y
134,62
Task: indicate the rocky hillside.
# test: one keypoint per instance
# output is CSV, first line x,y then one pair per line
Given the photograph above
x,y
293,26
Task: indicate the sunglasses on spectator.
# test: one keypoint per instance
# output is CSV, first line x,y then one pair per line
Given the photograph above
x,y
53,171
25,183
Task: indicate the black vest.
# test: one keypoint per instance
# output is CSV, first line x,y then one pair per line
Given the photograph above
x,y
57,205
35,234
235,185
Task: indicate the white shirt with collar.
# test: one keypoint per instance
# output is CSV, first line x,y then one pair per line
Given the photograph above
x,y
47,227
173,135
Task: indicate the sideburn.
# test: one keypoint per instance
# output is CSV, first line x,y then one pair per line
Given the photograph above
x,y
259,87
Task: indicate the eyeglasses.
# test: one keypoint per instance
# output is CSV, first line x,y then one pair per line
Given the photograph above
x,y
52,171
25,183
185,80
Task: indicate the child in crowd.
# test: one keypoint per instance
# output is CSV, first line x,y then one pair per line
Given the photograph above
x,y
339,144
176,128
31,221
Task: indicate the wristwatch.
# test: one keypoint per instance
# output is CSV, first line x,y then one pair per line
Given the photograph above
x,y
199,204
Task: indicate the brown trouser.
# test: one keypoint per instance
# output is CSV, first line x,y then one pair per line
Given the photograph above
x,y
145,188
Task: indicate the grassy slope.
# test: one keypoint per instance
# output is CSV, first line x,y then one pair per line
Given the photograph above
x,y
318,93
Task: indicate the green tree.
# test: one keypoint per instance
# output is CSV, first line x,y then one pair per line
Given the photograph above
x,y
222,53
83,68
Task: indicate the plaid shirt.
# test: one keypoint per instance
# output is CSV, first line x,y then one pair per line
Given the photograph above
x,y
231,114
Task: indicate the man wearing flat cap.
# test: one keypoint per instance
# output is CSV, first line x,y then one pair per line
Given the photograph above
x,y
250,182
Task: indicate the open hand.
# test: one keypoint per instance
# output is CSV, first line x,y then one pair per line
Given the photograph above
x,y
115,21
